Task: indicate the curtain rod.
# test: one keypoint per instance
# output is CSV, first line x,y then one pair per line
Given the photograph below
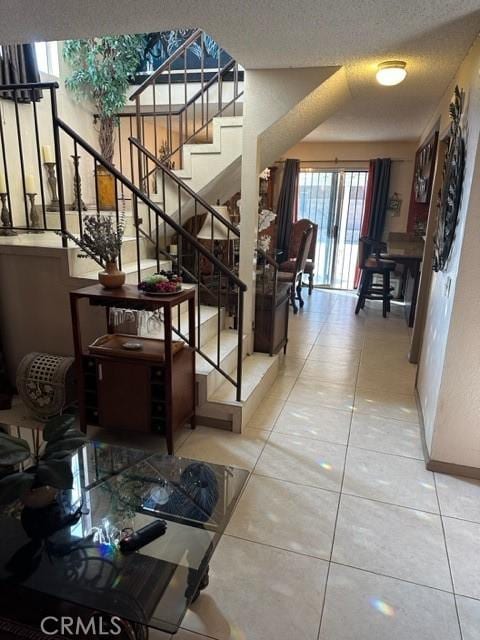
x,y
339,161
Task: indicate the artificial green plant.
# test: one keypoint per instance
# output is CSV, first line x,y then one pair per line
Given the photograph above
x,y
100,71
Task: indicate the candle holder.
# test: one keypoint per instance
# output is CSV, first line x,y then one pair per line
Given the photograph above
x,y
6,229
35,226
52,183
77,186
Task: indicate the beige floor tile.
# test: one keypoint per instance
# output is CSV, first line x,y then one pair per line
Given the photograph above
x,y
334,372
469,614
281,387
340,340
298,350
458,497
317,393
224,447
463,545
387,404
393,541
286,515
363,606
334,354
266,413
304,461
386,435
290,366
319,423
257,592
392,379
388,478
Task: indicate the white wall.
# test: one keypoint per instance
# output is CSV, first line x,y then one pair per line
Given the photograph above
x,y
448,378
402,154
76,114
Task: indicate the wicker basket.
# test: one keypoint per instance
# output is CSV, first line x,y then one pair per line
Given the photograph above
x,y
46,383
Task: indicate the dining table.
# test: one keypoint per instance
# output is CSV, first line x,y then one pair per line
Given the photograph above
x,y
406,249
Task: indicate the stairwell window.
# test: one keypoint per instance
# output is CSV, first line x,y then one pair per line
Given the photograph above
x,y
47,58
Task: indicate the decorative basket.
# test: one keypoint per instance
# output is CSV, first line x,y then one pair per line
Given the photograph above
x,y
46,383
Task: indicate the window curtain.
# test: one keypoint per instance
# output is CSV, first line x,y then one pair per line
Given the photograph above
x,y
18,65
376,202
287,206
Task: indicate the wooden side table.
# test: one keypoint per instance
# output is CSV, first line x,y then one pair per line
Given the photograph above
x,y
138,386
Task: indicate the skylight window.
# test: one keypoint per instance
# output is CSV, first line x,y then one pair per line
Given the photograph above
x,y
47,58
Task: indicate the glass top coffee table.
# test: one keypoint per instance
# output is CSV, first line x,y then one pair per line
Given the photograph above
x,y
116,491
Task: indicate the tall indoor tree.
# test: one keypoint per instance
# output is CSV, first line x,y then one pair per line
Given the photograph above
x,y
101,70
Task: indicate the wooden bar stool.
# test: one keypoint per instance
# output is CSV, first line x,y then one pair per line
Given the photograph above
x,y
371,265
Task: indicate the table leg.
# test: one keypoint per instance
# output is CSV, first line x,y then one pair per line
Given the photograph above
x,y
167,319
77,345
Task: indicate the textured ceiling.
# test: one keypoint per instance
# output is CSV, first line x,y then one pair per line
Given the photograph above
x,y
433,37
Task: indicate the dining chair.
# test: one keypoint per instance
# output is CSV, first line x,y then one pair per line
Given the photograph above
x,y
371,264
294,277
293,248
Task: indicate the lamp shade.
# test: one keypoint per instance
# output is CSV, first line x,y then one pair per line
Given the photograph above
x,y
391,73
220,231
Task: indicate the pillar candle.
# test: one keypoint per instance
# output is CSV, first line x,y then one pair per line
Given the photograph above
x,y
30,184
3,184
47,153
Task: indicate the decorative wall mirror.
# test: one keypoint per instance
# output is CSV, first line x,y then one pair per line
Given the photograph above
x,y
451,189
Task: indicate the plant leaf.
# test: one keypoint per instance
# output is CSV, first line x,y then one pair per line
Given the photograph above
x,y
13,450
15,486
65,445
56,427
56,473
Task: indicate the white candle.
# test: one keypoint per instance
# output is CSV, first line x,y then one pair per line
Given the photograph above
x,y
47,153
173,249
3,184
30,184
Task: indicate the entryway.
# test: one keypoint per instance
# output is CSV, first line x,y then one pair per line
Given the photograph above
x,y
334,200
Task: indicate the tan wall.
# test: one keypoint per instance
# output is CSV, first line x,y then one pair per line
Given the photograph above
x,y
34,304
448,378
402,153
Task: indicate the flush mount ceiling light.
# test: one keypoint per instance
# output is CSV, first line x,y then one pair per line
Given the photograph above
x,y
391,73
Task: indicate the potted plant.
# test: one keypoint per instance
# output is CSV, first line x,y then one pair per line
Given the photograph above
x,y
101,241
37,487
101,71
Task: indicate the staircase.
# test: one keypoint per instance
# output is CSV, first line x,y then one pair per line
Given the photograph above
x,y
204,141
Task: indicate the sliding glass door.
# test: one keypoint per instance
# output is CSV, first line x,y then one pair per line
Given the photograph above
x,y
334,201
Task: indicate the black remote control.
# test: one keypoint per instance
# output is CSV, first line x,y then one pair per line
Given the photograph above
x,y
143,536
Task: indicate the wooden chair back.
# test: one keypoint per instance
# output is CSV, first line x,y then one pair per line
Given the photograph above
x,y
304,249
298,229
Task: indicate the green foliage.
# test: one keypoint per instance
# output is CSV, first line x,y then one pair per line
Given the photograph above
x,y
101,239
52,467
13,450
101,70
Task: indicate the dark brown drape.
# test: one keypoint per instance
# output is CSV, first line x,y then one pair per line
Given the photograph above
x,y
287,206
18,65
376,201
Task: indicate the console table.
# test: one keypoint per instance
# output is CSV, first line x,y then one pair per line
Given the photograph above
x,y
148,391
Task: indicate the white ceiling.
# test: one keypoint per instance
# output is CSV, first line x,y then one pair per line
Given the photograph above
x,y
432,37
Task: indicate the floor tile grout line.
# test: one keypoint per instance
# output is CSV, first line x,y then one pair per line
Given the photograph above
x,y
448,558
322,609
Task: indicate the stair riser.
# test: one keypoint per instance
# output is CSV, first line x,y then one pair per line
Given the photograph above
x,y
73,225
79,266
208,383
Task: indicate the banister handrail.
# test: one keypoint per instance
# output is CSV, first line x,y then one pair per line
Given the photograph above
x,y
144,198
176,54
29,85
185,187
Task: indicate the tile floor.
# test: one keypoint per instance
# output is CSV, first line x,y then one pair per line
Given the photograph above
x,y
341,533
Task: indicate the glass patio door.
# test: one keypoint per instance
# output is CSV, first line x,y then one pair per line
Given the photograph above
x,y
334,201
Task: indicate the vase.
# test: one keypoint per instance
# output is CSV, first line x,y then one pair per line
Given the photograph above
x,y
112,277
43,520
105,189
39,497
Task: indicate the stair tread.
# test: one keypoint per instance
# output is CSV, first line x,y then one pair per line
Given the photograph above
x,y
228,343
